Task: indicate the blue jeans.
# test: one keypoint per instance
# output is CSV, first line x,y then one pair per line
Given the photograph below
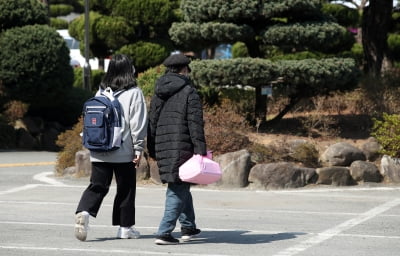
x,y
178,205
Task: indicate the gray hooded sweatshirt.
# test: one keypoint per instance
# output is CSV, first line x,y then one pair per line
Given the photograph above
x,y
134,115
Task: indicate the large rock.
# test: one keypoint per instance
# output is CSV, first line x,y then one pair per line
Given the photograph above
x,y
281,175
235,168
390,169
336,175
365,172
341,154
371,149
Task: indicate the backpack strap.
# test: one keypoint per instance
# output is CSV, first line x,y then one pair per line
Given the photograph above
x,y
108,92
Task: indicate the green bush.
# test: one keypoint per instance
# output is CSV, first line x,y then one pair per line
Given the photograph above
x,y
344,15
58,23
239,50
95,78
35,68
146,54
60,10
147,79
387,132
22,12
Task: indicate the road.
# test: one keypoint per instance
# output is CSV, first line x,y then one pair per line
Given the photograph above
x,y
37,218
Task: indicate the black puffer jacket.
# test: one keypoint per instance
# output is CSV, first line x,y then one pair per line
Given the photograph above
x,y
176,126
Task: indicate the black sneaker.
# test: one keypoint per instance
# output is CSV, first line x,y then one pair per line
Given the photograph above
x,y
166,240
188,233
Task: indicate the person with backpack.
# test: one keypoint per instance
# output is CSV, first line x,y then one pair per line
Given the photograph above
x,y
175,133
120,160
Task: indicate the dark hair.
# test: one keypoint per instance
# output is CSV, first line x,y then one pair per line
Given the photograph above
x,y
120,74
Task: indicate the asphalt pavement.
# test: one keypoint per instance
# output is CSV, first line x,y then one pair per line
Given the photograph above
x,y
37,217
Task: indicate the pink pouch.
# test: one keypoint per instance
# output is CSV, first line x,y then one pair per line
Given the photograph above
x,y
200,170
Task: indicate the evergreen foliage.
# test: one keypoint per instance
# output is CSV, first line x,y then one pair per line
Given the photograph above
x,y
387,132
239,50
146,54
35,69
344,15
124,25
22,12
60,10
308,77
317,36
147,80
58,23
268,27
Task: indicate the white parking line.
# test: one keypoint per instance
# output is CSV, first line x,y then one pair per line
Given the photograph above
x,y
329,233
43,178
17,189
141,206
109,252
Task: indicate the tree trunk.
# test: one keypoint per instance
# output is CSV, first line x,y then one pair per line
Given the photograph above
x,y
260,107
375,25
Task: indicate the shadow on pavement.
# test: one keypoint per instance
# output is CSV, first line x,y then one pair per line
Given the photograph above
x,y
242,237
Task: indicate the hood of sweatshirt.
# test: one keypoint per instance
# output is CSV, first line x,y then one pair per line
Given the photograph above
x,y
169,84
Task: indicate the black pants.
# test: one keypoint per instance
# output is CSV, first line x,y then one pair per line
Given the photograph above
x,y
124,201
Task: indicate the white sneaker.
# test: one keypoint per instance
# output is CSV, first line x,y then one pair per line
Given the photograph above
x,y
81,225
125,233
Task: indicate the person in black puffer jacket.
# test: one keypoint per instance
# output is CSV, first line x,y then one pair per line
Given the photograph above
x,y
175,133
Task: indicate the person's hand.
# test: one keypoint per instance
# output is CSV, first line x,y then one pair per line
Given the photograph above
x,y
136,160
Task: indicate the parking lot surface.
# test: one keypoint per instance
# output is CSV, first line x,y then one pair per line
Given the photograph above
x,y
37,217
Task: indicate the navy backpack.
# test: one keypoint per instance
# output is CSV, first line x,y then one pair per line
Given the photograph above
x,y
102,122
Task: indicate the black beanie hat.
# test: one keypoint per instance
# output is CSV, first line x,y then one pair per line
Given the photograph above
x,y
176,60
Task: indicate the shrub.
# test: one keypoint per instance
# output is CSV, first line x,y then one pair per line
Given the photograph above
x,y
34,63
147,79
22,12
239,50
387,132
224,129
70,142
35,69
15,110
58,23
95,78
60,10
210,95
344,15
146,54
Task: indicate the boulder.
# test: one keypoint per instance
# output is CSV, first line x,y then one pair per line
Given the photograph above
x,y
83,166
371,149
235,168
390,169
341,154
335,175
365,172
281,175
